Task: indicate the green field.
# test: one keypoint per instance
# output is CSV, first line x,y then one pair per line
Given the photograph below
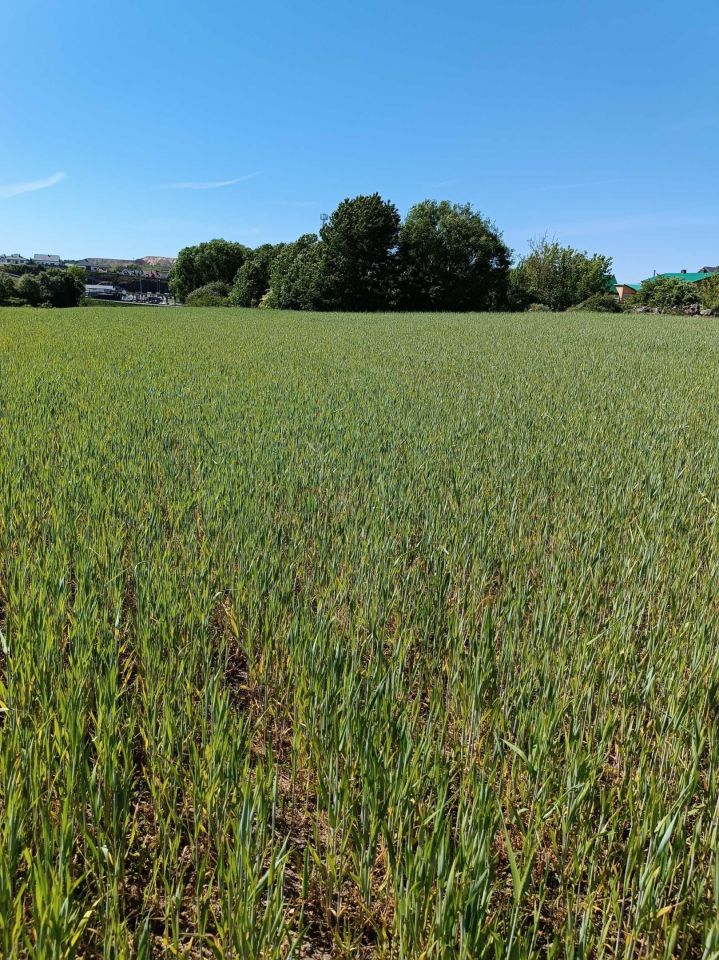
x,y
358,636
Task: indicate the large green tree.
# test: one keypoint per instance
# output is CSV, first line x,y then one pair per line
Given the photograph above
x,y
450,258
358,246
204,263
253,278
558,277
296,276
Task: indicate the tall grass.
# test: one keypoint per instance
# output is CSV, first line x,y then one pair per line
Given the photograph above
x,y
358,636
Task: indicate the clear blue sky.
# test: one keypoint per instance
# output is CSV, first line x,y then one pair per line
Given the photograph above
x,y
596,122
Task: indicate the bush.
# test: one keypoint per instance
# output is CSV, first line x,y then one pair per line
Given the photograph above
x,y
213,294
667,294
709,293
600,303
538,308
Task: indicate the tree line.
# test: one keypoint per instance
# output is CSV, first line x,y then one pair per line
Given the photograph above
x,y
49,288
442,256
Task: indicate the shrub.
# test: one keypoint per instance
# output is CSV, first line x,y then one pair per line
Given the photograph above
x,y
667,293
709,293
538,308
213,294
601,303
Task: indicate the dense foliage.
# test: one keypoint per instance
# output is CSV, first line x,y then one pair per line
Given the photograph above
x,y
450,258
667,293
253,278
601,303
215,294
443,256
50,288
296,276
358,262
379,637
558,277
62,288
215,260
709,293
8,287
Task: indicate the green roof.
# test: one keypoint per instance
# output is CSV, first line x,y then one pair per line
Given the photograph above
x,y
685,277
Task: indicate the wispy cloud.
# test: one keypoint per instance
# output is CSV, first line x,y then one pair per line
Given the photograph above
x,y
15,189
209,184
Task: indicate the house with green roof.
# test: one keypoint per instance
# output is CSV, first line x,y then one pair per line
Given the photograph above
x,y
684,276
625,290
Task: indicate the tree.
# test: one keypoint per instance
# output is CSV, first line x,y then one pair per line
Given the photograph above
x,y
201,264
29,289
61,288
7,287
450,258
557,276
358,246
296,276
253,278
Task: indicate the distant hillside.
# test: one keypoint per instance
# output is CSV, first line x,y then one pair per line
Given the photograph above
x,y
110,263
165,262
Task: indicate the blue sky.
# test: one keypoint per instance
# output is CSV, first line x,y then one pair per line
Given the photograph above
x,y
136,128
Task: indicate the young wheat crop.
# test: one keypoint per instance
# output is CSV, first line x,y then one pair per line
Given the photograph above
x,y
358,636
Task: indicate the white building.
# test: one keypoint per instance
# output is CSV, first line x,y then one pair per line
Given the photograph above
x,y
14,258
100,291
47,260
